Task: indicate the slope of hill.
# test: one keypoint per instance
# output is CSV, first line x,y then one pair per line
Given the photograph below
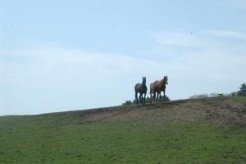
x,y
204,130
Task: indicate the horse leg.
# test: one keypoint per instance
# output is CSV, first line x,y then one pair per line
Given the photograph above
x,y
144,98
164,98
154,97
151,97
140,98
136,97
161,99
159,96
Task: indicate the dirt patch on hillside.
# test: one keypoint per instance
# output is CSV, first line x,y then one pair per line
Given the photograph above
x,y
227,113
219,111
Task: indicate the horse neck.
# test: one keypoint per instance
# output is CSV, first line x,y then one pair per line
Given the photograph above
x,y
163,83
144,83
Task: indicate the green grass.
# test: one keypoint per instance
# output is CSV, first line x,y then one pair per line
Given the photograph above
x,y
240,99
60,139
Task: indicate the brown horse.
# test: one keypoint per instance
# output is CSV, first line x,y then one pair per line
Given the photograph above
x,y
157,87
142,90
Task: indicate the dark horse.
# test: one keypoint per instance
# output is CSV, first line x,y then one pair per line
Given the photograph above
x,y
157,87
142,90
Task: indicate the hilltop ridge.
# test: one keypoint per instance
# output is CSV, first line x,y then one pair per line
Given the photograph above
x,y
220,111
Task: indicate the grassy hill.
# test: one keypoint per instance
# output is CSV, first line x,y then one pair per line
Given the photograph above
x,y
186,131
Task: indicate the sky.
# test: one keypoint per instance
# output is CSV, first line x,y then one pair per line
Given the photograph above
x,y
60,55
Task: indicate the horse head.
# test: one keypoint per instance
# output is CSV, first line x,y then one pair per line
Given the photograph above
x,y
144,80
165,80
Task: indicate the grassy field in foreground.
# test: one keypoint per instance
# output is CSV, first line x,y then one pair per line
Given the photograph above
x,y
60,139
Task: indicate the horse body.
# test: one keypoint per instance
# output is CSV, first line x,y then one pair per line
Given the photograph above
x,y
157,87
142,90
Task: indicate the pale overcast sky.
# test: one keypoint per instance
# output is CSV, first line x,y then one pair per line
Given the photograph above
x,y
58,55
